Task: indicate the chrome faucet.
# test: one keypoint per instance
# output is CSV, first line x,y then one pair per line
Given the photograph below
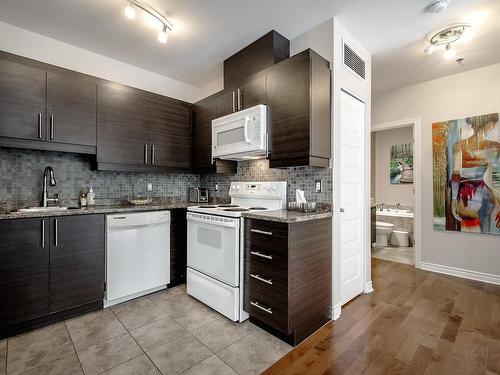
x,y
381,206
398,206
48,173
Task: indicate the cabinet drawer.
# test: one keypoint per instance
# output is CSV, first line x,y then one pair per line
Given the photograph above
x,y
266,234
268,279
267,306
267,256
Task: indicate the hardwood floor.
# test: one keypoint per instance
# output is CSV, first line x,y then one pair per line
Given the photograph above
x,y
415,322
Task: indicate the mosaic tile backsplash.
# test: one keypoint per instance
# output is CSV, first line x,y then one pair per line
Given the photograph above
x,y
302,178
21,173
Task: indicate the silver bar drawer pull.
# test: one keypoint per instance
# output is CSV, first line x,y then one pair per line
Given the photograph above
x,y
259,254
52,127
40,126
261,232
56,230
257,305
257,277
43,233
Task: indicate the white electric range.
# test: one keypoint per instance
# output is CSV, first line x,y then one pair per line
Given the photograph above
x,y
215,242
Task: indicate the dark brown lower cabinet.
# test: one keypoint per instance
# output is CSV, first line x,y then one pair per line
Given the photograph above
x,y
288,276
76,261
50,269
24,270
178,246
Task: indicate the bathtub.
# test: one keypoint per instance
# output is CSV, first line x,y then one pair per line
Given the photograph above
x,y
395,213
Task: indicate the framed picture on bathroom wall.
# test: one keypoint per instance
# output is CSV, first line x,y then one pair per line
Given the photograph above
x,y
401,161
466,174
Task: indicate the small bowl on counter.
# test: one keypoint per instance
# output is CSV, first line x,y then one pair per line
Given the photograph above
x,y
139,201
302,207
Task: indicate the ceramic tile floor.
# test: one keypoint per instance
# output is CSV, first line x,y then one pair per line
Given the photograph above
x,y
405,255
165,333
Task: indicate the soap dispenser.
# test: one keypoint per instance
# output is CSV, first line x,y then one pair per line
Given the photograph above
x,y
90,197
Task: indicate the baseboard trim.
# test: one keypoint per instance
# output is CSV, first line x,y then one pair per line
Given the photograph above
x,y
368,287
459,272
337,310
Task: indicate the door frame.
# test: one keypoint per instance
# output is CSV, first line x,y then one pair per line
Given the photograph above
x,y
366,216
417,184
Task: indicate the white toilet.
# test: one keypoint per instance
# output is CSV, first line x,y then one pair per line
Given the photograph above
x,y
400,238
383,232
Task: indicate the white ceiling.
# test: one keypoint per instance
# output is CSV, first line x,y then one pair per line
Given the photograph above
x,y
208,31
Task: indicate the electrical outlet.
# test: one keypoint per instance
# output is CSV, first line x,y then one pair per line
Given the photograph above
x,y
317,186
216,187
149,186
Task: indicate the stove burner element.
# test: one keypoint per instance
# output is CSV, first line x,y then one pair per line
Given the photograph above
x,y
227,205
236,209
207,206
258,208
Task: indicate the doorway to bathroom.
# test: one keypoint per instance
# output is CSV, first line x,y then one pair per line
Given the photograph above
x,y
395,191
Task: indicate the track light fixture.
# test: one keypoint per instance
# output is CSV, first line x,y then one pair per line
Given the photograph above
x,y
130,12
447,37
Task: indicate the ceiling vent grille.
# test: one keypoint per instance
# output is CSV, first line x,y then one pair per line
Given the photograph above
x,y
354,62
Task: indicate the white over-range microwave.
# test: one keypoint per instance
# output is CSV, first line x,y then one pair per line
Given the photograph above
x,y
241,135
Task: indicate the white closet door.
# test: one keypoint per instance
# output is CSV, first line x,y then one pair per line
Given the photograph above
x,y
352,179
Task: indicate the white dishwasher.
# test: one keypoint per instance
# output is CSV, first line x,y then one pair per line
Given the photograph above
x,y
137,255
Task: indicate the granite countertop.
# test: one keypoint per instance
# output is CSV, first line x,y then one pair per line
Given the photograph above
x,y
285,216
155,206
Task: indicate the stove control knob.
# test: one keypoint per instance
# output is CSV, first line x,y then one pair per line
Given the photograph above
x,y
275,188
234,187
237,187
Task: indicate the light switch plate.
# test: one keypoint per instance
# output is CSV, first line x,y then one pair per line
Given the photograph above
x,y
149,186
317,186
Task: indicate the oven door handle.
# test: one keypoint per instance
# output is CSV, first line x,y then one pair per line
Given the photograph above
x,y
216,221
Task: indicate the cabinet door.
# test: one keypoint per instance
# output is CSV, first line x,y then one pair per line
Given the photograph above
x,y
253,92
170,133
71,109
24,270
178,246
76,260
205,111
22,101
288,91
122,125
226,102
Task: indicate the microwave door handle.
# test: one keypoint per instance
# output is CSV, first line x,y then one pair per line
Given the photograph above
x,y
245,129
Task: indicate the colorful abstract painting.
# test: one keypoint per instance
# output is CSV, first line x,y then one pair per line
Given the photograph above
x,y
401,164
466,174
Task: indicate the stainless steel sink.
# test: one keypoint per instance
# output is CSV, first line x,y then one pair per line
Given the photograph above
x,y
43,209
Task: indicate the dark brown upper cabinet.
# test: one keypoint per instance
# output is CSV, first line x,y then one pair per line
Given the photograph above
x,y
22,101
122,126
248,94
266,51
140,131
298,99
170,133
45,107
205,111
71,109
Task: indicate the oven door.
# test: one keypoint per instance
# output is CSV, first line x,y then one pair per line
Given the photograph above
x,y
213,246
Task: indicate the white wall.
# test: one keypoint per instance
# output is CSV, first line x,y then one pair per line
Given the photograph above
x,y
456,96
319,39
344,79
38,47
385,191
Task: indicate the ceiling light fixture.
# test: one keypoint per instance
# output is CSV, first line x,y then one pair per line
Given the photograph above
x,y
130,11
447,37
160,18
449,52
